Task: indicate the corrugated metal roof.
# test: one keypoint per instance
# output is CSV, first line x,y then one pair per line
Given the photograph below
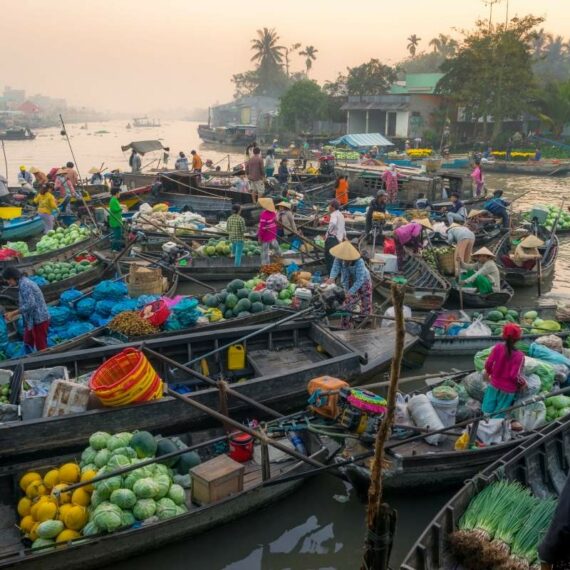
x,y
363,140
142,147
375,106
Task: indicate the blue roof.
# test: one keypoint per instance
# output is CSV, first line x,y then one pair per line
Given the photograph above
x,y
363,140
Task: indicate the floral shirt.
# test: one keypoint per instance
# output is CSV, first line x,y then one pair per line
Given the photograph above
x,y
357,272
33,307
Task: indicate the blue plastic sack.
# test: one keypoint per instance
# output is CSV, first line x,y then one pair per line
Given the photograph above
x,y
39,280
144,300
85,307
59,315
16,350
105,307
291,269
20,326
78,328
3,331
98,320
109,290
68,296
125,305
172,324
186,312
541,352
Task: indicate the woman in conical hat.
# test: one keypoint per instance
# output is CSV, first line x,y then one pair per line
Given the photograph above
x,y
355,279
526,254
484,273
411,236
267,229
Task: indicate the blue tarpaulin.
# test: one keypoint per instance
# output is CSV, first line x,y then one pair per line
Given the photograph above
x,y
363,140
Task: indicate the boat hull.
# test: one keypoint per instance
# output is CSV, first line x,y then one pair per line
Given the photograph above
x,y
476,301
20,230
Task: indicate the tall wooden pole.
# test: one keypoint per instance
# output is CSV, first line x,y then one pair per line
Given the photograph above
x,y
380,518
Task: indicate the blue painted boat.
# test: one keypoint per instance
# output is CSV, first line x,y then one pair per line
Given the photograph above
x,y
21,228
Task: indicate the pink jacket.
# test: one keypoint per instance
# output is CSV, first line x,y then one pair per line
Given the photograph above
x,y
408,232
504,370
267,230
391,180
477,175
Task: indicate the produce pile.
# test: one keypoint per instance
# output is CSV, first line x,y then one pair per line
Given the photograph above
x,y
5,394
345,154
557,407
553,213
515,155
62,237
502,528
175,223
416,153
223,248
155,492
130,323
431,255
51,272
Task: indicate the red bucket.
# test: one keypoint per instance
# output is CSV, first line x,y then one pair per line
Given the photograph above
x,y
241,447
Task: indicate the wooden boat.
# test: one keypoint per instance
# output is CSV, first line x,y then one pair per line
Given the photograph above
x,y
475,300
425,290
482,237
279,364
542,168
519,277
469,345
539,463
22,228
235,135
17,134
130,198
100,550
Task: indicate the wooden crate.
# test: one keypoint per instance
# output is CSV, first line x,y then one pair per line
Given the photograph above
x,y
216,479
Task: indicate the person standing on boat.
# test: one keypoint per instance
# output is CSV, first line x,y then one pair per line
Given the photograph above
x,y
135,161
72,175
165,157
40,178
241,184
377,205
267,229
255,170
182,162
283,173
65,187
526,254
464,240
196,161
31,306
553,551
355,280
497,206
236,232
46,207
478,179
484,273
341,190
457,212
336,232
25,179
96,176
409,236
285,221
390,179
116,220
504,368
270,163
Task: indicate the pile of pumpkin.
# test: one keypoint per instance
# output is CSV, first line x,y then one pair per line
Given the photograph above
x,y
47,512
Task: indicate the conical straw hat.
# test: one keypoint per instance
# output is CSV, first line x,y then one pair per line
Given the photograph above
x,y
345,251
267,204
474,213
531,241
483,251
423,222
94,170
284,204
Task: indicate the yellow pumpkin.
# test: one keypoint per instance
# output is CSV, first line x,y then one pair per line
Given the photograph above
x,y
24,506
59,495
76,517
27,523
87,476
35,489
46,511
80,497
33,534
67,534
28,478
69,473
62,510
51,478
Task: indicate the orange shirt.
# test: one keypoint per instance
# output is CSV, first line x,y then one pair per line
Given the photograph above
x,y
196,162
341,193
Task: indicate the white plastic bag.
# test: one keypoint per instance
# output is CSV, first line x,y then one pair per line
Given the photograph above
x,y
426,417
532,416
476,328
401,412
440,228
494,430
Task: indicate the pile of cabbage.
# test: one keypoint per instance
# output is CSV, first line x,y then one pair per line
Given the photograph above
x,y
61,237
144,495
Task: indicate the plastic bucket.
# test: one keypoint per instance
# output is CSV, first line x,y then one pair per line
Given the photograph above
x,y
445,409
241,447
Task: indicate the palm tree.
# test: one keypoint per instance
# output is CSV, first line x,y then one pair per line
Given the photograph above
x,y
266,51
444,45
288,50
309,53
413,42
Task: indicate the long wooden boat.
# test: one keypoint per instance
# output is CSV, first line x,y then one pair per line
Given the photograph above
x,y
425,290
279,364
484,236
539,463
130,198
558,168
21,228
100,550
445,344
519,277
475,300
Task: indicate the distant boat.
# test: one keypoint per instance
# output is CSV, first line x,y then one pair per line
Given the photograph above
x,y
234,135
146,122
128,126
17,134
84,127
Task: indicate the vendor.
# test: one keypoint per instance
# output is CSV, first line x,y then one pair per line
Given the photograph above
x,y
336,232
484,273
40,178
497,206
32,308
96,176
464,240
285,221
267,229
116,220
390,179
355,279
457,212
46,206
526,254
409,236
504,368
341,190
378,204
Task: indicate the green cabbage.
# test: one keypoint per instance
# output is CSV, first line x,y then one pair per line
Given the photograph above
x,y
107,517
144,509
114,442
128,519
90,529
102,457
123,498
177,494
163,482
146,488
98,440
126,451
118,461
135,475
166,508
88,455
107,486
559,401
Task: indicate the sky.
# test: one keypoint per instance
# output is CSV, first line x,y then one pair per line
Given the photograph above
x,y
138,55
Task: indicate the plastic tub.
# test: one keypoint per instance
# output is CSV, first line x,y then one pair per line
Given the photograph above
x,y
445,409
241,447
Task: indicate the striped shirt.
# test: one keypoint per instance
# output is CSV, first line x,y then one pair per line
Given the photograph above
x,y
235,227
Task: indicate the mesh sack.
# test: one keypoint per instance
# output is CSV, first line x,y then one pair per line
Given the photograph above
x,y
68,296
85,307
122,306
104,307
59,315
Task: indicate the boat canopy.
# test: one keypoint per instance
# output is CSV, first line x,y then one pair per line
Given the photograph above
x,y
362,140
142,147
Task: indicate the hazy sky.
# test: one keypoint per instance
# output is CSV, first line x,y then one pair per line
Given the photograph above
x,y
136,55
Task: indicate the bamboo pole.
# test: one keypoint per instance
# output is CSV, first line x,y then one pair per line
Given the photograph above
x,y
380,519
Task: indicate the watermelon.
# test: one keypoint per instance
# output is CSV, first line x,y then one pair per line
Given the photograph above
x,y
235,285
257,307
144,444
165,446
243,293
503,310
228,314
254,297
284,294
513,314
495,315
231,301
187,461
244,314
268,298
243,305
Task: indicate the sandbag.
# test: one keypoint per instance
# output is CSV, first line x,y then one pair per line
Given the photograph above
x,y
3,331
424,416
475,385
467,411
68,296
494,430
58,316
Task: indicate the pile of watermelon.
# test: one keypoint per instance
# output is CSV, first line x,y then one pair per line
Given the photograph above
x,y
530,323
60,270
223,248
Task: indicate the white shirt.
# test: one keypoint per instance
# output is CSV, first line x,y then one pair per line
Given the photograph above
x,y
336,226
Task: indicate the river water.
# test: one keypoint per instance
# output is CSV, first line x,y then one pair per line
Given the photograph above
x,y
322,525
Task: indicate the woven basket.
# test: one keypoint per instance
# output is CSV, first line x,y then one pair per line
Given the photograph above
x,y
446,263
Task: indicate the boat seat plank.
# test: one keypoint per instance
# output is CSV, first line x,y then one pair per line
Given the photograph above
x,y
266,362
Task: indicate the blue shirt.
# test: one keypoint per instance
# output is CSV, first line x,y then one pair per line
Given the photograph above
x,y
33,307
357,272
496,206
